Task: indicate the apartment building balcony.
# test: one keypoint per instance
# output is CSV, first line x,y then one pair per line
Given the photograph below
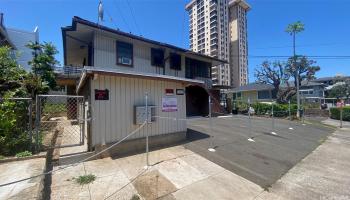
x,y
213,18
212,6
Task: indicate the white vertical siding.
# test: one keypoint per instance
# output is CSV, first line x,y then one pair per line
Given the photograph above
x,y
105,56
114,119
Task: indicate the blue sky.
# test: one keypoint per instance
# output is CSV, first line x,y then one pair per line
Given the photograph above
x,y
327,25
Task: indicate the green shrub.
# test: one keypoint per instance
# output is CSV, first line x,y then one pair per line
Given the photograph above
x,y
335,113
13,127
2,157
85,179
23,154
280,110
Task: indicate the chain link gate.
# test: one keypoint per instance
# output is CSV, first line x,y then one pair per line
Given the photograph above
x,y
60,120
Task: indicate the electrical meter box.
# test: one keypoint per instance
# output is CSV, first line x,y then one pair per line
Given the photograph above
x,y
141,116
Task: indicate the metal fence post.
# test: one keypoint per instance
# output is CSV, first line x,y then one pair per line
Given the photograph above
x,y
290,116
147,147
303,117
211,147
341,114
250,123
37,122
30,123
273,120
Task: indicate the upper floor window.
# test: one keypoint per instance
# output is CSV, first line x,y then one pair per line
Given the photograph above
x,y
175,61
124,53
157,57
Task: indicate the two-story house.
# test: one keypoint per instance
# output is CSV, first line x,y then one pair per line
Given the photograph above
x,y
120,68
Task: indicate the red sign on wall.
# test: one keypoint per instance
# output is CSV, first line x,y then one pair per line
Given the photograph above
x,y
102,94
169,91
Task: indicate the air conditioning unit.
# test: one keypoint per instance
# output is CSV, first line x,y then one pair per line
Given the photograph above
x,y
126,61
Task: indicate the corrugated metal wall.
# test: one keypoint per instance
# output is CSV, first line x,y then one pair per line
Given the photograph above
x,y
105,56
113,119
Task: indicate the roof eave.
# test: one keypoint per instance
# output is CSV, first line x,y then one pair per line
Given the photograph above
x,y
93,70
94,25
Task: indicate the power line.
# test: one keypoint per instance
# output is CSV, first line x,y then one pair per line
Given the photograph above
x,y
306,45
133,17
288,56
111,19
121,14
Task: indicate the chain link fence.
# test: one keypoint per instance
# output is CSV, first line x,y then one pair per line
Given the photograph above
x,y
60,120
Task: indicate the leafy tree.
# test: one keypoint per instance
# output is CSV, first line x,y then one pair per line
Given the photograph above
x,y
274,74
340,90
43,62
301,69
11,74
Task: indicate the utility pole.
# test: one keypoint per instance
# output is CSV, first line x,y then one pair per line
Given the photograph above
x,y
296,76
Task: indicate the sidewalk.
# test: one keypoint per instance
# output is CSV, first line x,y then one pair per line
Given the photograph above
x,y
16,170
324,174
175,173
336,123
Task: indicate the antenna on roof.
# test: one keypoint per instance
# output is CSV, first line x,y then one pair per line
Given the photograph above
x,y
100,12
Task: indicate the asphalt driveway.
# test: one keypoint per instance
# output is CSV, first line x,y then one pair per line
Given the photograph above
x,y
263,160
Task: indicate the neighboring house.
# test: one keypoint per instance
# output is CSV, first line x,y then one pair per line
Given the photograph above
x,y
328,81
119,69
311,89
255,92
18,39
258,92
331,82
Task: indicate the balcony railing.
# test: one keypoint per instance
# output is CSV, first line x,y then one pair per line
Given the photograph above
x,y
68,71
207,81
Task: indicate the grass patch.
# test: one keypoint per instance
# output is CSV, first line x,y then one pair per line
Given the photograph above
x,y
23,154
135,197
85,179
2,157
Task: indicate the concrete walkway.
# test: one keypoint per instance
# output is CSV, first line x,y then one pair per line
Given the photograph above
x,y
16,170
175,173
324,174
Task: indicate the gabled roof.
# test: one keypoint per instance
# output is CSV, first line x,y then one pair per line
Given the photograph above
x,y
252,87
76,20
331,78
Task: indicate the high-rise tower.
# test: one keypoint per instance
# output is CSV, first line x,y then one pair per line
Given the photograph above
x,y
216,29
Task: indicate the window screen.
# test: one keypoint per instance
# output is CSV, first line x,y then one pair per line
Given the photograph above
x,y
175,61
124,53
157,57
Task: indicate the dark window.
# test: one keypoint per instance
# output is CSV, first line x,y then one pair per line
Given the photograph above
x,y
157,57
175,61
264,94
124,54
195,68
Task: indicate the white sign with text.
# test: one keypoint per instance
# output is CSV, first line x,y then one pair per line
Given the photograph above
x,y
169,104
